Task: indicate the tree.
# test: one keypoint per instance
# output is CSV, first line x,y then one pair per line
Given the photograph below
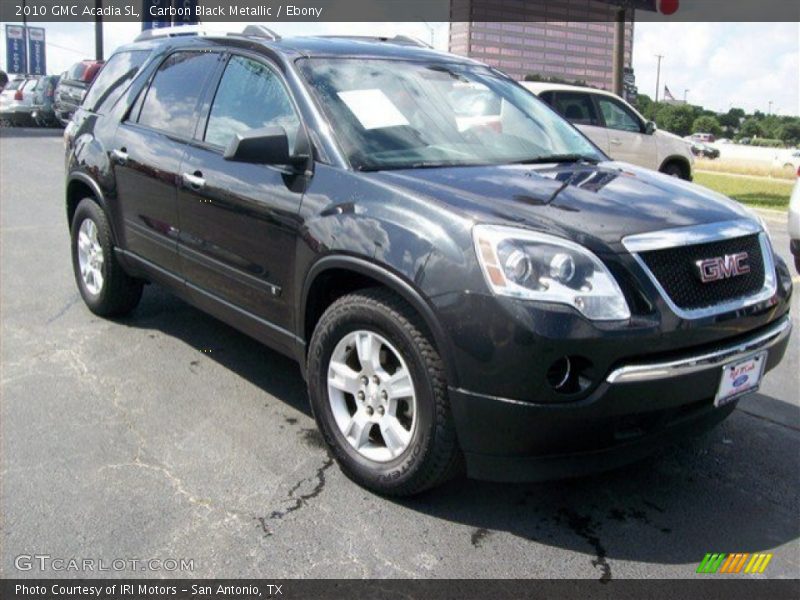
x,y
677,119
771,126
707,124
751,128
790,132
731,119
554,79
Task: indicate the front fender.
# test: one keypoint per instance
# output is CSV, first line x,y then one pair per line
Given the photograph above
x,y
393,281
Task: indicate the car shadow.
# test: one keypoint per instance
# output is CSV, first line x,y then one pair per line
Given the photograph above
x,y
734,489
271,371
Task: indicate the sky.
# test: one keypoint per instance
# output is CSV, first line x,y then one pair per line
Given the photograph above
x,y
745,65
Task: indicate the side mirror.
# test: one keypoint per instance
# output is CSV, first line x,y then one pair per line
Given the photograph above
x,y
650,128
266,146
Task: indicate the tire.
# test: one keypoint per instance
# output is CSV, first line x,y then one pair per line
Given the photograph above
x,y
675,169
107,290
431,454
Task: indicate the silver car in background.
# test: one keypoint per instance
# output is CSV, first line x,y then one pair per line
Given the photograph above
x,y
16,101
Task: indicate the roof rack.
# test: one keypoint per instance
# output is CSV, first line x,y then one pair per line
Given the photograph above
x,y
260,31
409,39
201,30
406,40
172,31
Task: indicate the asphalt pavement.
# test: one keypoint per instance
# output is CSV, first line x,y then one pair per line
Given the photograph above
x,y
168,435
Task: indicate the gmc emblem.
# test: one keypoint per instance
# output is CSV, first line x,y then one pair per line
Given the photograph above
x,y
722,267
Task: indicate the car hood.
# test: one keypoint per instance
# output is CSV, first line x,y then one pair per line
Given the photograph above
x,y
595,205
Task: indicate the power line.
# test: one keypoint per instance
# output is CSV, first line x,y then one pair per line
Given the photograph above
x,y
49,43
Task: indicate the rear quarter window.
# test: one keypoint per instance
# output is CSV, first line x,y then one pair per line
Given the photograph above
x,y
114,79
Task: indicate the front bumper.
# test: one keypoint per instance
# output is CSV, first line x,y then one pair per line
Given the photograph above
x,y
637,408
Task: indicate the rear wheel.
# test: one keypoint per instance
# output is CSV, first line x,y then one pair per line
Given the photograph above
x,y
379,395
105,287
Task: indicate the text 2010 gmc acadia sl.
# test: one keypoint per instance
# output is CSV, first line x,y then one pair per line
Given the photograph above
x,y
468,283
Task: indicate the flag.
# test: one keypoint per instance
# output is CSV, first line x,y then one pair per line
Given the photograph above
x,y
668,95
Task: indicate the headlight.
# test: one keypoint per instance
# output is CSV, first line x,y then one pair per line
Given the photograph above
x,y
537,266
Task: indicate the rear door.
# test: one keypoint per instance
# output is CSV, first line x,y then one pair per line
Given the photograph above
x,y
627,139
578,109
239,220
147,153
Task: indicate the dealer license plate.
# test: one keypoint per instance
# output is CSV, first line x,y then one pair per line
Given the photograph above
x,y
739,378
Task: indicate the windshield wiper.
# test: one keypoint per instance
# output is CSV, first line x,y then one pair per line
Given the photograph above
x,y
558,158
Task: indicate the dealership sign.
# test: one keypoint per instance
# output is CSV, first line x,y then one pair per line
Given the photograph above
x,y
16,56
155,7
37,59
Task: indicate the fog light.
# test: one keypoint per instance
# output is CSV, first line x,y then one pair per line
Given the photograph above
x,y
559,372
570,375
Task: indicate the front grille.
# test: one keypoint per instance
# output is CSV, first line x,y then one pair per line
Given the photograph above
x,y
676,271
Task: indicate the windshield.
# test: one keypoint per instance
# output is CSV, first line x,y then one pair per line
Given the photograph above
x,y
390,114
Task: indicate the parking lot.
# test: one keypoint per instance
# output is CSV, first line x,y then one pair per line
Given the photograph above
x,y
169,435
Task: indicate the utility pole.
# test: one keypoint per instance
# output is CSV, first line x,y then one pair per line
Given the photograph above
x,y
658,74
98,31
618,61
685,93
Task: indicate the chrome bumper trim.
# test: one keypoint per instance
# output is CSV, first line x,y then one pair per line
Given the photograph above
x,y
702,362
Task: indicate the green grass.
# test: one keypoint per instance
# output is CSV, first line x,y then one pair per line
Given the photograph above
x,y
752,191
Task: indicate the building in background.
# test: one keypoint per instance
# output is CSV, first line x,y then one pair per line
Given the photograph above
x,y
540,39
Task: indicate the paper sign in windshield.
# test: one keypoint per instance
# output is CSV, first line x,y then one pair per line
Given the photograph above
x,y
373,109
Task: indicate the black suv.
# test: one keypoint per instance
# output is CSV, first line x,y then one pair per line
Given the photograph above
x,y
466,280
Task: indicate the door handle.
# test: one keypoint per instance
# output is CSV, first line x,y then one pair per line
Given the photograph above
x,y
120,155
616,141
194,180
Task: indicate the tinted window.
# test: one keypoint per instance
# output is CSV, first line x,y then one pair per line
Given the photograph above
x,y
171,102
547,97
618,116
249,96
114,79
577,108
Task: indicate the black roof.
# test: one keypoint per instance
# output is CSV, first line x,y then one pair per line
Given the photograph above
x,y
377,47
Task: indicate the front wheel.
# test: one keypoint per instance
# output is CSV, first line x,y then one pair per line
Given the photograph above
x,y
675,169
105,287
379,395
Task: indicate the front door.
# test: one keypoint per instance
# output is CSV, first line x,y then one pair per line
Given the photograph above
x,y
239,221
627,140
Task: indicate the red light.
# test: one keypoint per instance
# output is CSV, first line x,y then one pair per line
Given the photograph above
x,y
18,95
668,7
